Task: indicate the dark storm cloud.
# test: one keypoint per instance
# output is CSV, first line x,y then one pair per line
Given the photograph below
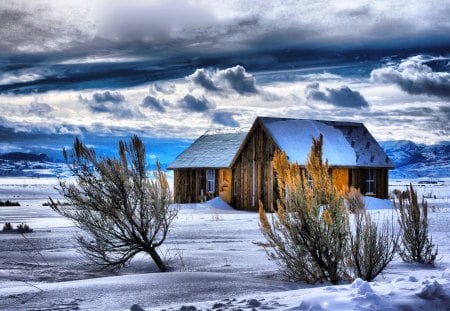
x,y
111,102
342,97
235,78
107,96
35,78
153,41
415,75
225,118
105,101
154,103
239,80
203,78
191,103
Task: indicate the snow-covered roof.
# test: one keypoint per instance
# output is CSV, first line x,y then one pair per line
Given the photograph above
x,y
347,144
344,143
210,151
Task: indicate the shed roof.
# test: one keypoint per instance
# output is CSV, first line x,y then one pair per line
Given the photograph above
x,y
210,151
346,144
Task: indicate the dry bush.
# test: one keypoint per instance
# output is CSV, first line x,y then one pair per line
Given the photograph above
x,y
373,246
123,211
417,244
309,232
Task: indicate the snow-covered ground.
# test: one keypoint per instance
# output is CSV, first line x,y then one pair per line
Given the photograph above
x,y
216,264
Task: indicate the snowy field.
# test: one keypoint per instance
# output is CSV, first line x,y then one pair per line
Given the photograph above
x,y
215,261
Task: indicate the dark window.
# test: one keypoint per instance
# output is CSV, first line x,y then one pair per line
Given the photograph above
x,y
210,181
370,181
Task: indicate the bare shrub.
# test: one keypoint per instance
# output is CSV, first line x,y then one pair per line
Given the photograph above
x,y
123,211
24,228
309,232
373,246
7,227
354,200
417,244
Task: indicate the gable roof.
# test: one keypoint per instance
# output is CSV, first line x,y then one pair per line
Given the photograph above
x,y
347,144
210,151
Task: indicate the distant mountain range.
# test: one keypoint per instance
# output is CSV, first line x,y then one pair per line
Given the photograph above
x,y
20,164
411,161
21,156
418,160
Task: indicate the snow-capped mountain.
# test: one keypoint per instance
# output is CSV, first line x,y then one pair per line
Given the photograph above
x,y
418,160
22,164
411,160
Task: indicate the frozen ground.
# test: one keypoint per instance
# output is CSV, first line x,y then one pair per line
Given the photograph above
x,y
216,264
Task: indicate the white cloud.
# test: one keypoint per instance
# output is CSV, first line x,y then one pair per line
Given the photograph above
x,y
416,76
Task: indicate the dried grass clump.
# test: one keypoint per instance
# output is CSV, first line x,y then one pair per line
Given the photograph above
x,y
417,244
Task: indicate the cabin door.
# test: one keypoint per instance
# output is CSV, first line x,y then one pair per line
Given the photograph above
x,y
225,183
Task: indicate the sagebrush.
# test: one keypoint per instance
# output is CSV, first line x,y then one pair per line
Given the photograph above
x,y
310,234
114,201
417,244
373,244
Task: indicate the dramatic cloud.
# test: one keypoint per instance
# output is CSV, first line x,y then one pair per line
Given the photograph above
x,y
204,78
113,103
154,103
165,88
239,80
40,109
225,118
342,97
416,76
105,97
235,78
58,51
193,104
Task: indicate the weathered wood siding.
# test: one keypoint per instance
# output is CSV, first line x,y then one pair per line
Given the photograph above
x,y
340,178
253,174
190,185
358,180
225,184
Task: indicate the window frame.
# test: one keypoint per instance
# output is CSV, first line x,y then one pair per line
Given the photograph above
x,y
210,181
370,181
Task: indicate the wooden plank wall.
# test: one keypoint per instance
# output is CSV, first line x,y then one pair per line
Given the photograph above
x,y
189,183
258,152
357,179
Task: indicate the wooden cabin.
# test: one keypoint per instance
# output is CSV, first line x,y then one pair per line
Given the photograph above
x,y
238,166
203,171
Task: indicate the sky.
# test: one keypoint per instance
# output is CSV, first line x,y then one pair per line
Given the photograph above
x,y
170,70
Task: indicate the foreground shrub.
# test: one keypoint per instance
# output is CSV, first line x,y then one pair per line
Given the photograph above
x,y
309,232
9,203
373,246
417,246
113,200
24,228
7,227
21,228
